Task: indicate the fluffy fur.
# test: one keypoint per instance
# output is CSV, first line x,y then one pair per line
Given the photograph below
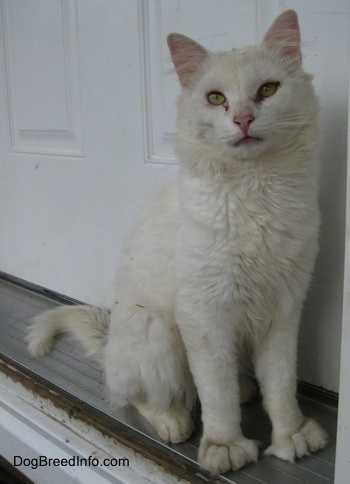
x,y
214,276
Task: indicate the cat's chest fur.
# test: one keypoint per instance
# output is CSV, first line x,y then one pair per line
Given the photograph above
x,y
245,234
239,214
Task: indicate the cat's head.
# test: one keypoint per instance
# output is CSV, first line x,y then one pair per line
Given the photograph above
x,y
246,102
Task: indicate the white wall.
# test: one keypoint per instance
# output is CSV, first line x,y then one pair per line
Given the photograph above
x,y
326,36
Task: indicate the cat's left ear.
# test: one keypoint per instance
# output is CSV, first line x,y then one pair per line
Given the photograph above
x,y
187,56
284,35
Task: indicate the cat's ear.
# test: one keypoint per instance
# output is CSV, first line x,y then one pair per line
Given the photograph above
x,y
284,35
187,56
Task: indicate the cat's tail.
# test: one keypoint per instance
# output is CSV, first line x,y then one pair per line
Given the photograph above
x,y
88,324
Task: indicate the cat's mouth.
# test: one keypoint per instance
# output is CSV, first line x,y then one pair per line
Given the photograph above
x,y
248,140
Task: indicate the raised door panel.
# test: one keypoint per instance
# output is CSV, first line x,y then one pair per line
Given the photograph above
x,y
42,77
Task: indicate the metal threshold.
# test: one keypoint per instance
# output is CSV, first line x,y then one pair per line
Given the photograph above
x,y
67,371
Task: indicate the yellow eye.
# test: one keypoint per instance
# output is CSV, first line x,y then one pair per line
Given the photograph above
x,y
268,89
216,98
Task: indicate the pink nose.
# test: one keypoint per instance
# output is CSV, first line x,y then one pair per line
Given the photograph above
x,y
244,122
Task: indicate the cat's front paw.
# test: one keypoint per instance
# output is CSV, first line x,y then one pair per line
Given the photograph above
x,y
217,458
310,437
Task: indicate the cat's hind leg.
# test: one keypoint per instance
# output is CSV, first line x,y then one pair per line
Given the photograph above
x,y
174,424
146,366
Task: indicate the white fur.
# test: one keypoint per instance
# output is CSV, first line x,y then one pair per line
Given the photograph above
x,y
214,276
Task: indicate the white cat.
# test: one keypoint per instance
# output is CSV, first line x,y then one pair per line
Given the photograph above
x,y
214,277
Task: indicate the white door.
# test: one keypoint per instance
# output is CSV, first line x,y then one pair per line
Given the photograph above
x,y
87,109
87,116
74,165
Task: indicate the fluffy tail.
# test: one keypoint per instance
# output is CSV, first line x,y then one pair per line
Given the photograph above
x,y
89,325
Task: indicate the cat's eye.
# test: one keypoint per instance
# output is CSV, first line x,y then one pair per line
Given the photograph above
x,y
267,90
216,98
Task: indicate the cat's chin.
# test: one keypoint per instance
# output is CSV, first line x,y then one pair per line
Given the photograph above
x,y
248,141
248,147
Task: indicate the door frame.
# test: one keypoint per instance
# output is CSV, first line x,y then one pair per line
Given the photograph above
x,y
342,463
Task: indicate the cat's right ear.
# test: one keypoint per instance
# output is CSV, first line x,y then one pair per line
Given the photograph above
x,y
187,56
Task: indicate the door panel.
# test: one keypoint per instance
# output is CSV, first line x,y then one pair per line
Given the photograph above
x,y
42,78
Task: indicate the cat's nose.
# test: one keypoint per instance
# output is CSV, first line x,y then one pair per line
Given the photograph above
x,y
244,121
